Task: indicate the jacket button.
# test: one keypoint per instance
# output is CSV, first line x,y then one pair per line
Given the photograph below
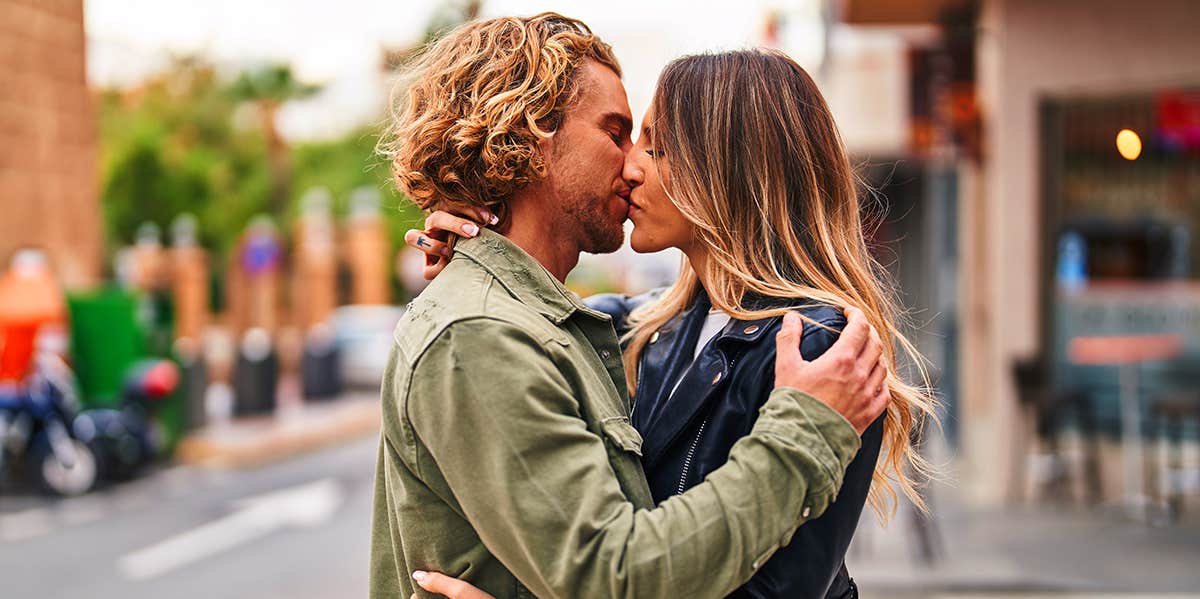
x,y
750,329
806,512
654,337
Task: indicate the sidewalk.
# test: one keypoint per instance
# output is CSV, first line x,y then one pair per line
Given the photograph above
x,y
248,442
1029,551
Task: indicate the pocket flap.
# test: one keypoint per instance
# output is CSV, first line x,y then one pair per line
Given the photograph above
x,y
622,434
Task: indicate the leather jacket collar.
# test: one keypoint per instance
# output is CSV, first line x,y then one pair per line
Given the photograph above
x,y
666,363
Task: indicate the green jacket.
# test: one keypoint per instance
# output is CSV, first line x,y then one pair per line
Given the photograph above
x,y
507,457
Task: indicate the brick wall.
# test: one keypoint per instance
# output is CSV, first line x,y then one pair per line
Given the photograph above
x,y
48,171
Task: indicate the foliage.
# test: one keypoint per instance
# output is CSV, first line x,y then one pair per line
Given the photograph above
x,y
182,142
273,82
346,164
170,146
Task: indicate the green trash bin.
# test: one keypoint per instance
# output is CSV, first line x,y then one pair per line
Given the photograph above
x,y
107,337
105,341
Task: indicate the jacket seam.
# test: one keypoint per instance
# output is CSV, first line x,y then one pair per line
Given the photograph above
x,y
821,459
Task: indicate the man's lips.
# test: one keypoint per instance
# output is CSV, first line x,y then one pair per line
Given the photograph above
x,y
624,195
632,204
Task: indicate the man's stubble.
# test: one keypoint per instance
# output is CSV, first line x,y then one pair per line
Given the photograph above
x,y
597,231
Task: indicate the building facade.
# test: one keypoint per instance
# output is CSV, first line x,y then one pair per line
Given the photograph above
x,y
48,148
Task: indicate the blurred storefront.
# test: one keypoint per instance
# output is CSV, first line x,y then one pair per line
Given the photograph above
x,y
1042,231
1120,214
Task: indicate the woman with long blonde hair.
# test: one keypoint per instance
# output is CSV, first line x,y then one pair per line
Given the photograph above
x,y
740,166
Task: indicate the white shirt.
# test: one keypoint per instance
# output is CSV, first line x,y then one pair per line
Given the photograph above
x,y
713,323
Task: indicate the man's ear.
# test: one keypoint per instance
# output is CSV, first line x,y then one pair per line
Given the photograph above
x,y
551,124
546,148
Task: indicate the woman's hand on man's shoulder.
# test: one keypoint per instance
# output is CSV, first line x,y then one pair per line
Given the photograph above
x,y
433,239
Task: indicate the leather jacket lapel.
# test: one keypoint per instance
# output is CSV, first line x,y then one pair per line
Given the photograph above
x,y
699,382
663,360
673,414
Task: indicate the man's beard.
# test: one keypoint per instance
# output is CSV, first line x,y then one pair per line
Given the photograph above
x,y
599,232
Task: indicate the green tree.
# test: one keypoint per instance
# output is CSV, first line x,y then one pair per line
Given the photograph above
x,y
170,146
268,88
349,163
174,145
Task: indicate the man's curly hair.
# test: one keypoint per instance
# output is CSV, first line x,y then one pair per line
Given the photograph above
x,y
464,135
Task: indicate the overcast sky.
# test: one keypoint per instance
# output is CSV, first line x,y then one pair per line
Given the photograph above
x,y
337,43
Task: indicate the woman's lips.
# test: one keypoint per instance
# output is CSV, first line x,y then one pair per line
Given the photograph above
x,y
632,204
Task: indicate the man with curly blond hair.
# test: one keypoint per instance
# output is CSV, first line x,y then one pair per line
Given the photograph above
x,y
484,123
507,457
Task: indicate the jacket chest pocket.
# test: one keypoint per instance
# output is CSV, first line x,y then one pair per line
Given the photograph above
x,y
621,435
624,446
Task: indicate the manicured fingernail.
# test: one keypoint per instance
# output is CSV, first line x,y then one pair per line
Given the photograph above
x,y
419,575
471,229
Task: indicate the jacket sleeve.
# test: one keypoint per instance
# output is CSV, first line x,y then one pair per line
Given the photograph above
x,y
538,487
807,565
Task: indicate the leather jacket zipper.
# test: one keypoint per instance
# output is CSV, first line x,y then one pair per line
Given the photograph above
x,y
687,462
637,391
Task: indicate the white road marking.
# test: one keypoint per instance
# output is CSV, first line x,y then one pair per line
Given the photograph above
x,y
306,505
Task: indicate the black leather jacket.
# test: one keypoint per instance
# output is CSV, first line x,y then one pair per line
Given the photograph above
x,y
688,433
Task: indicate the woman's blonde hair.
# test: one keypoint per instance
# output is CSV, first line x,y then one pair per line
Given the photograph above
x,y
757,165
464,131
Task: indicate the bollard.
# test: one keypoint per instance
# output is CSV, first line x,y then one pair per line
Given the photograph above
x,y
321,366
256,376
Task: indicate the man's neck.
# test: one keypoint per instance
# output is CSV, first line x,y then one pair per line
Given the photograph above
x,y
529,230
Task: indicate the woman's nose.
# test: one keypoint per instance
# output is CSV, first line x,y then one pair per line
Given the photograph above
x,y
633,172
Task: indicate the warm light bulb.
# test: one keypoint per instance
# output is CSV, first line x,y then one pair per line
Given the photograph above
x,y
1129,144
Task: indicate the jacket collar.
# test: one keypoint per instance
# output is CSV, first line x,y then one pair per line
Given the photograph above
x,y
737,331
677,405
523,276
748,331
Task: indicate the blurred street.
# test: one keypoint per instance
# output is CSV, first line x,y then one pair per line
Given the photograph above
x,y
312,542
91,546
1033,551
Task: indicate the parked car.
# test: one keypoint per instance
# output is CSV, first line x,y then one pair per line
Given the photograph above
x,y
364,338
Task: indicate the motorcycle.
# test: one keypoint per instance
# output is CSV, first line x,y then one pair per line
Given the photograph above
x,y
65,450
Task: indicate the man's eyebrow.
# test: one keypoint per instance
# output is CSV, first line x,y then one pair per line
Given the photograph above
x,y
622,121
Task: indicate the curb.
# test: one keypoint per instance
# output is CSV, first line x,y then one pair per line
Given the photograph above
x,y
254,441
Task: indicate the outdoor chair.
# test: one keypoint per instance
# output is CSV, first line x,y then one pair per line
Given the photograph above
x,y
1044,411
1171,411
